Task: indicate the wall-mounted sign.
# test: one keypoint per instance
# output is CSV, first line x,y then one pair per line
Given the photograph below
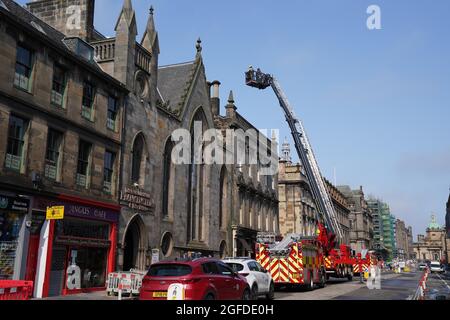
x,y
155,256
14,204
136,199
78,210
55,213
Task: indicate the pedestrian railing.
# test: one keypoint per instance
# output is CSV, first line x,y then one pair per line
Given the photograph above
x,y
124,282
16,290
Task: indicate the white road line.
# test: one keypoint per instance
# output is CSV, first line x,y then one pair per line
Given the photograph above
x,y
445,282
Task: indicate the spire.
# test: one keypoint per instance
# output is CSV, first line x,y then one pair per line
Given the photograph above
x,y
230,107
150,38
128,15
198,46
230,97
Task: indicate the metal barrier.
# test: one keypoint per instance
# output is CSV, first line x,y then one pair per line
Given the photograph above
x,y
422,288
16,290
125,282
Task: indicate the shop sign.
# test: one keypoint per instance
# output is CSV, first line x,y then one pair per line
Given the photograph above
x,y
78,210
14,204
55,213
136,199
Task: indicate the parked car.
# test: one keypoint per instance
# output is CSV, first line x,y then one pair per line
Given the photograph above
x,y
422,266
436,266
259,280
199,279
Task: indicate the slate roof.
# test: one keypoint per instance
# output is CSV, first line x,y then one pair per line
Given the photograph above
x,y
174,82
21,15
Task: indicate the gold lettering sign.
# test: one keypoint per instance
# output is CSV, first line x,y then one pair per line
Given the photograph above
x,y
136,199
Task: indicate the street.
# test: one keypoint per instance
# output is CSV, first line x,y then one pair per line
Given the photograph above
x,y
438,286
393,287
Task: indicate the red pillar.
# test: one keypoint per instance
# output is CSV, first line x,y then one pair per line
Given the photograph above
x,y
112,250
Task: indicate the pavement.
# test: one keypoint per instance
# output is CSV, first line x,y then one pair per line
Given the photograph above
x,y
98,295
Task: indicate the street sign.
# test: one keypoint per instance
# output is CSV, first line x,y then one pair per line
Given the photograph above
x,y
55,213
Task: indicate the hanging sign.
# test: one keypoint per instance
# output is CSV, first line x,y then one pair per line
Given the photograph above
x,y
55,213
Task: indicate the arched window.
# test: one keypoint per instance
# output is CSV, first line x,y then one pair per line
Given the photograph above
x,y
138,159
167,176
196,177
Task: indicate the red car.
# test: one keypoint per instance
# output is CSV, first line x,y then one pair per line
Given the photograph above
x,y
199,279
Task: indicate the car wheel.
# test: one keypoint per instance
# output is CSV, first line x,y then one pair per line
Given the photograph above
x,y
271,294
246,295
255,292
209,296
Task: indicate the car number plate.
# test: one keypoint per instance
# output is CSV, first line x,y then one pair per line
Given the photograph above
x,y
162,294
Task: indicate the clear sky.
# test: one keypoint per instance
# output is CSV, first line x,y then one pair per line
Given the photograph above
x,y
375,103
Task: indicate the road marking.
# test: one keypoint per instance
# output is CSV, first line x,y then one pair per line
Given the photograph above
x,y
445,282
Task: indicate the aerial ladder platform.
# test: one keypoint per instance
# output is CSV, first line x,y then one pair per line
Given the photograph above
x,y
335,257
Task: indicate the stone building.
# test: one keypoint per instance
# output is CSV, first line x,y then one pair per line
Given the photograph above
x,y
403,237
360,219
61,120
431,246
342,209
297,209
249,199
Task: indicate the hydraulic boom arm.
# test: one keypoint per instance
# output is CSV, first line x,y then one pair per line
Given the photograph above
x,y
325,207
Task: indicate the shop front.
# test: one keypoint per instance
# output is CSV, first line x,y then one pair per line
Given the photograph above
x,y
77,252
13,212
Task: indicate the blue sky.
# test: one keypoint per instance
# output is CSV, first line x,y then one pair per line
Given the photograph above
x,y
375,103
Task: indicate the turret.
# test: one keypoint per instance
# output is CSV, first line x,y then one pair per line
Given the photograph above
x,y
125,47
150,42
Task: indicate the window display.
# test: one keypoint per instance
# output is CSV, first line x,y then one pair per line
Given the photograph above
x,y
10,224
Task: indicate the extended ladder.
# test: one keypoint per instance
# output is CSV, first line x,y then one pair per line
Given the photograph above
x,y
325,207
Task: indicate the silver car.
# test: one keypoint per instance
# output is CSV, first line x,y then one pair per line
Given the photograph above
x,y
435,266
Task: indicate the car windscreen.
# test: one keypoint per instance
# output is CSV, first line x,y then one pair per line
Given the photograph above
x,y
235,266
169,270
436,265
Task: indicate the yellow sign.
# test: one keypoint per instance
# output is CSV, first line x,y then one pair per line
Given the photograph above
x,y
55,213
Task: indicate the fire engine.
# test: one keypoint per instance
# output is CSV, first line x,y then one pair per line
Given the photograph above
x,y
296,259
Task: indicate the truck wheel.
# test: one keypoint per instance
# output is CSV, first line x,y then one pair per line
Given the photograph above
x,y
323,279
310,285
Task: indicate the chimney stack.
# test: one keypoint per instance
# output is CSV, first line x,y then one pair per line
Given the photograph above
x,y
215,98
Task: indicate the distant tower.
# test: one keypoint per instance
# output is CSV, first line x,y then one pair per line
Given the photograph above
x,y
433,223
286,151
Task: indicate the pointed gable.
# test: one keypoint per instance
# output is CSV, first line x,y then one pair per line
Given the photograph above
x,y
150,39
128,16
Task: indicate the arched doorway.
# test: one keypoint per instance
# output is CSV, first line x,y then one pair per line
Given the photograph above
x,y
134,245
